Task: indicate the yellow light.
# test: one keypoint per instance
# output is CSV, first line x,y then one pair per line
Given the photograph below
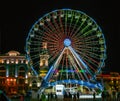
x,y
29,74
26,81
7,61
2,61
16,62
38,84
11,79
26,62
30,84
43,71
43,74
7,79
14,79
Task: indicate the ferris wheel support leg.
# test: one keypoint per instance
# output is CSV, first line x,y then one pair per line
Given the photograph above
x,y
48,74
80,60
53,67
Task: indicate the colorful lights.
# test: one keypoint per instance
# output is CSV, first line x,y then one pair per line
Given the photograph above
x,y
82,71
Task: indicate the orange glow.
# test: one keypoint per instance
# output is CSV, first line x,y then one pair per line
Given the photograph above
x,y
43,74
105,75
11,81
7,79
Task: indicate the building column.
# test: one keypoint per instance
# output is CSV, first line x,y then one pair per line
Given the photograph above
x,y
16,71
7,71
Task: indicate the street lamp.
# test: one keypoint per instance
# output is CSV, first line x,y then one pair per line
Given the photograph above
x,y
38,84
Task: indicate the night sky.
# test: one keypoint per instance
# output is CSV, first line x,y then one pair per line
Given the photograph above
x,y
17,18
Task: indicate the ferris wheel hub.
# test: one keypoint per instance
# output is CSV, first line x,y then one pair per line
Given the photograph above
x,y
67,42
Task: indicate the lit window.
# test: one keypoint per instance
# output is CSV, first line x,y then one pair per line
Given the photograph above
x,y
2,61
12,54
12,61
21,61
7,61
16,62
26,62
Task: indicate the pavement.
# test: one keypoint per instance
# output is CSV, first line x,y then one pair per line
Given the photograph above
x,y
62,99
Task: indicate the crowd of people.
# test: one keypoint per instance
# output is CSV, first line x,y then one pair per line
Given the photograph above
x,y
113,96
105,96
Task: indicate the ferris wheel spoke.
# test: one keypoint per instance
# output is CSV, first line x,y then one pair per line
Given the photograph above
x,y
51,39
34,57
88,32
62,68
34,50
54,27
47,28
54,48
91,61
53,32
85,28
75,23
92,54
36,64
89,56
54,56
71,19
90,39
79,31
75,67
79,60
84,17
65,29
61,23
74,27
57,27
47,31
78,57
91,66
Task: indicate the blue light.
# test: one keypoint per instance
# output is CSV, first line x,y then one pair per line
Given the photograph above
x,y
67,42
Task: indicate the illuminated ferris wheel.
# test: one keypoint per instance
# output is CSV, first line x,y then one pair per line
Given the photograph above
x,y
74,41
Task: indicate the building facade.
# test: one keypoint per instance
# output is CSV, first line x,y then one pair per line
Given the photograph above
x,y
13,72
111,80
16,78
34,82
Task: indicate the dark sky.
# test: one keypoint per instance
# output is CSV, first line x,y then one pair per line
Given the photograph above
x,y
17,18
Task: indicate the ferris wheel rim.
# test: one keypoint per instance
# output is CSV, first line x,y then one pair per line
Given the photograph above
x,y
69,43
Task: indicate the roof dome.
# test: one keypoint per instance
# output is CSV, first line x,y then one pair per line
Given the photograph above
x,y
13,53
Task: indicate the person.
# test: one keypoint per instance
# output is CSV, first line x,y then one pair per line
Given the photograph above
x,y
107,96
70,95
38,96
77,95
114,95
51,95
43,98
103,95
118,96
94,95
22,98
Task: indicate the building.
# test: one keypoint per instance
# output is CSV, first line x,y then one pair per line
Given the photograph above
x,y
13,72
16,78
44,56
111,80
35,81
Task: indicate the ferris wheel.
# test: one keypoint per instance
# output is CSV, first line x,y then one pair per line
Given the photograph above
x,y
75,44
